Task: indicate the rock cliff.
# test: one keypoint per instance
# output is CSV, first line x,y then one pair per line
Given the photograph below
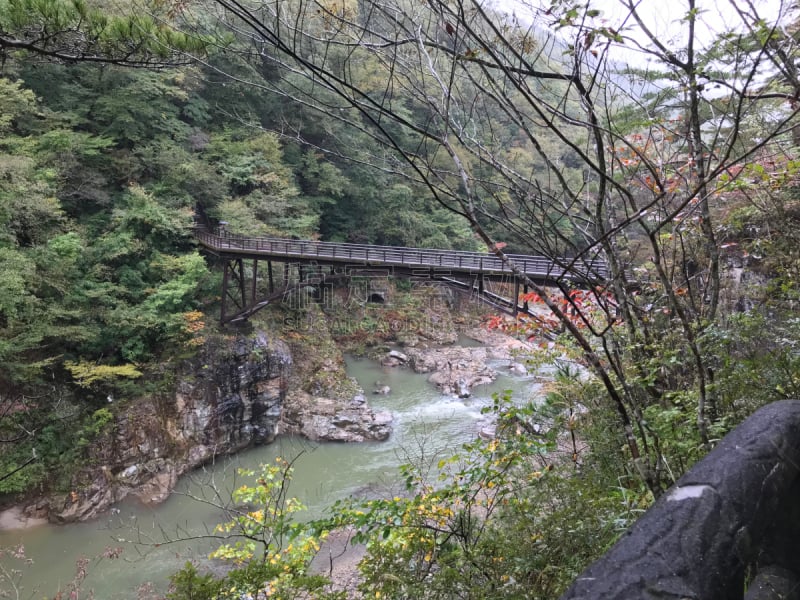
x,y
232,396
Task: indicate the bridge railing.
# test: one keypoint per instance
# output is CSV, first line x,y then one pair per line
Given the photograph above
x,y
477,262
737,511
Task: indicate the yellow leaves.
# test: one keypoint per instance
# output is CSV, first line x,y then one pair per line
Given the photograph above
x,y
193,328
336,14
86,374
256,515
238,553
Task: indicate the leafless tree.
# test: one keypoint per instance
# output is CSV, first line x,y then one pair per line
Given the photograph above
x,y
593,137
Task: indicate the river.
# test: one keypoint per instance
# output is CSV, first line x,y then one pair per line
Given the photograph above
x,y
424,421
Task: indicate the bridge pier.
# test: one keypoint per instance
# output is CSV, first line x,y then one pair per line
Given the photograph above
x,y
236,296
525,307
255,279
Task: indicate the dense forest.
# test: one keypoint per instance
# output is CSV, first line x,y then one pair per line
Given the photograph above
x,y
443,125
103,169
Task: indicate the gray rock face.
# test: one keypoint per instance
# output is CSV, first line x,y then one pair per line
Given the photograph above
x,y
236,395
236,401
226,400
737,507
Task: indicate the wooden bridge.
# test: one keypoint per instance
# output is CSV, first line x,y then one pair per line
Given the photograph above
x,y
319,262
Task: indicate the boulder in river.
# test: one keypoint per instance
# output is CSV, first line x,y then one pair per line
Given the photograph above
x,y
319,418
454,370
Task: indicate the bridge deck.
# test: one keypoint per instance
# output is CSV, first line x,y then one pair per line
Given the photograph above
x,y
454,261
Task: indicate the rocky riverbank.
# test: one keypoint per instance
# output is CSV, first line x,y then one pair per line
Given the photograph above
x,y
245,388
240,391
455,369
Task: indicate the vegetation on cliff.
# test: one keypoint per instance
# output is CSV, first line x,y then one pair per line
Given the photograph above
x,y
441,124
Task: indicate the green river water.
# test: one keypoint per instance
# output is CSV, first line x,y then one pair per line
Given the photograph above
x,y
424,419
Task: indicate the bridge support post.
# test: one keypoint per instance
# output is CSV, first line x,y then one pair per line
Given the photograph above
x,y
233,286
271,279
516,296
525,307
255,279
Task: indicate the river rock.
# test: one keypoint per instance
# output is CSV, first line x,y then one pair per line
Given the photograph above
x,y
518,369
130,473
500,345
158,488
454,370
382,390
95,496
409,340
327,419
394,358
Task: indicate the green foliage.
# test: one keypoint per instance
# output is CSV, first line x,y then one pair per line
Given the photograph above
x,y
15,101
189,584
757,362
95,425
265,530
484,523
261,195
84,30
49,443
21,476
97,269
271,552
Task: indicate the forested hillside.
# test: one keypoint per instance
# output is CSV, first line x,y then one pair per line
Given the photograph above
x,y
102,169
672,160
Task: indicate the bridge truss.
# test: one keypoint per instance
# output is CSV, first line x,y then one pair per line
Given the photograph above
x,y
319,265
